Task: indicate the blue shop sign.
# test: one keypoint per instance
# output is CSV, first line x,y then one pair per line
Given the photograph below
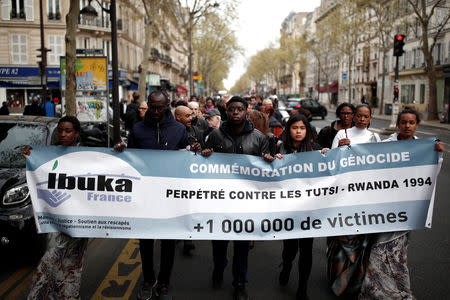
x,y
9,72
122,74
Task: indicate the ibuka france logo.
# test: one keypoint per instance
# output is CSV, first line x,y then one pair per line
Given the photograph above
x,y
62,186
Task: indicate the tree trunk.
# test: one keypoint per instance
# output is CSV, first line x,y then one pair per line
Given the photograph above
x,y
349,79
145,61
383,76
71,57
432,93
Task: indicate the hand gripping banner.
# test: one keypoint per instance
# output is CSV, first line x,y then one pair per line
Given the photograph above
x,y
366,188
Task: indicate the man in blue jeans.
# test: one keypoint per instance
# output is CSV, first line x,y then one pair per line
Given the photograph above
x,y
159,131
236,135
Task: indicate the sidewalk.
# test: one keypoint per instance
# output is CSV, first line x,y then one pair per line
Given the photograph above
x,y
423,123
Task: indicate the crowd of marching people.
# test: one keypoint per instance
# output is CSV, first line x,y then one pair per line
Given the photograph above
x,y
367,266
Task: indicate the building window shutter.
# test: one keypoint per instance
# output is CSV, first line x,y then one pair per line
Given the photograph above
x,y
29,11
6,9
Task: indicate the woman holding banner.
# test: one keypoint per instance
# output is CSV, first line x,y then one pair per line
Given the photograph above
x,y
387,274
58,275
347,255
297,138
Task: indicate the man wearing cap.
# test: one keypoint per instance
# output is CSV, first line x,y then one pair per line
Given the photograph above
x,y
236,135
213,119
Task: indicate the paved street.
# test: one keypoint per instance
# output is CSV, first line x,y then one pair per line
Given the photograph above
x,y
112,269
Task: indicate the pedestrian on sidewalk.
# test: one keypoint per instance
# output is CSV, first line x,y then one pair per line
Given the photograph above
x,y
387,274
236,135
4,109
33,109
158,130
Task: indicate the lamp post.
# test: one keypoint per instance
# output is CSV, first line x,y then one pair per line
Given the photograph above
x,y
90,13
43,56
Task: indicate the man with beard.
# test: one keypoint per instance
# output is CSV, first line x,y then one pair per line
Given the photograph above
x,y
236,135
158,130
197,120
185,115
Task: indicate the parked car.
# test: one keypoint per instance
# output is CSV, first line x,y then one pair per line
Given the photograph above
x,y
17,224
316,109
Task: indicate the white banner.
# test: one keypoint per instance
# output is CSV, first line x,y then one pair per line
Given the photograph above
x,y
95,192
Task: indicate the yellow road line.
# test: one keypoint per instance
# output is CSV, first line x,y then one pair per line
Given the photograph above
x,y
113,274
20,289
16,276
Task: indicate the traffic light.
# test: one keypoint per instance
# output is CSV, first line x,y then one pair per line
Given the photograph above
x,y
396,91
399,42
195,73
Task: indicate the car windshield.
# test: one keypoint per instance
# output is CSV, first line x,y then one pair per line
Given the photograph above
x,y
292,103
14,137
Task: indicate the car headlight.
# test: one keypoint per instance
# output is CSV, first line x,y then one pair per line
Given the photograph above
x,y
16,195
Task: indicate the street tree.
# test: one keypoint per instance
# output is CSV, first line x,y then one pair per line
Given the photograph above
x,y
185,15
215,45
151,24
71,57
432,18
382,28
241,85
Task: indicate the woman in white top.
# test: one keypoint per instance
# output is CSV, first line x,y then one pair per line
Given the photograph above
x,y
347,254
359,133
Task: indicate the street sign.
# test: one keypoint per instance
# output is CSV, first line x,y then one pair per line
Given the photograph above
x,y
197,77
344,75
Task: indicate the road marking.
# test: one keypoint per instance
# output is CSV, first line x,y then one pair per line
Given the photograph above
x,y
13,279
123,275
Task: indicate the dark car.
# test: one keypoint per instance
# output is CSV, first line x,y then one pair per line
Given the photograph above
x,y
316,109
17,224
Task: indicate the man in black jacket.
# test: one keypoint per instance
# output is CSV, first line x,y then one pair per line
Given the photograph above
x,y
236,135
132,113
184,115
33,109
158,131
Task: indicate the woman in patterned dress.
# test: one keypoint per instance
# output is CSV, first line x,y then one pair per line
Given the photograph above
x,y
58,274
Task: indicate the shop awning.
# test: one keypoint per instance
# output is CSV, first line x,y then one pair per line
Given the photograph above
x,y
181,89
134,86
331,88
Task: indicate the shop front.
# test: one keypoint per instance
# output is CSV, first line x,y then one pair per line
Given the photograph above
x,y
18,85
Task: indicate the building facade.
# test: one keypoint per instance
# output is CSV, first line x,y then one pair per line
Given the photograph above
x,y
362,81
20,39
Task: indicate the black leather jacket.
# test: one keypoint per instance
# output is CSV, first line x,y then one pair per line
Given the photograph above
x,y
249,141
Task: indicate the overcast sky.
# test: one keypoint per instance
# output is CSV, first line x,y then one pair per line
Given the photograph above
x,y
259,24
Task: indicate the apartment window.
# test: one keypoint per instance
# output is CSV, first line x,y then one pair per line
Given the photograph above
x,y
17,9
407,93
54,9
438,53
448,53
19,49
422,94
56,45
